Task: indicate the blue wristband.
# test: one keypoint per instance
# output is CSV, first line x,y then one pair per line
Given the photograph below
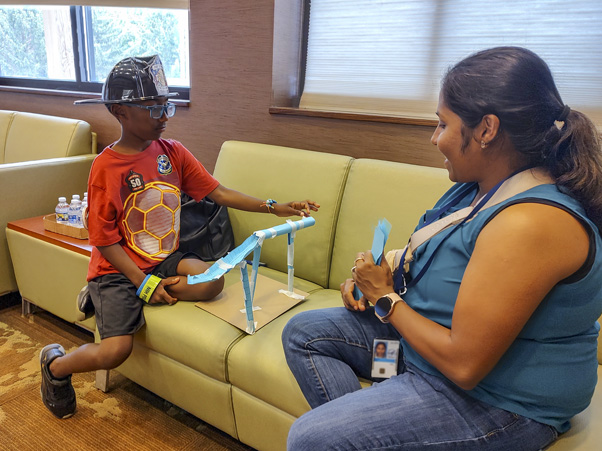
x,y
142,285
147,288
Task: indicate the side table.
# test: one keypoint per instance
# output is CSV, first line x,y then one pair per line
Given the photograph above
x,y
50,268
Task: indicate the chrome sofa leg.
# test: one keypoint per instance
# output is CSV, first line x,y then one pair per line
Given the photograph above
x,y
102,380
26,307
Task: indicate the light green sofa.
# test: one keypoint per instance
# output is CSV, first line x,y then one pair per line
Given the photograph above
x,y
240,383
41,158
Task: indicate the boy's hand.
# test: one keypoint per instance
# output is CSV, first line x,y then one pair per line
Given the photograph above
x,y
160,295
295,208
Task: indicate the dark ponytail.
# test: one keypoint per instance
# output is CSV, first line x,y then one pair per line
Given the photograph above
x,y
517,86
575,161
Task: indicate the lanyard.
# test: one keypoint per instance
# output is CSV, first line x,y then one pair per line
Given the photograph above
x,y
402,280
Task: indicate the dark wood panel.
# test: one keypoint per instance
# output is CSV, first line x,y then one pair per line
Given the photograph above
x,y
231,94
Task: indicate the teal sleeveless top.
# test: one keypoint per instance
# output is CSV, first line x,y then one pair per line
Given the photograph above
x,y
549,373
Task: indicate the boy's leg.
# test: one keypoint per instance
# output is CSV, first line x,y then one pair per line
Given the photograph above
x,y
108,354
56,366
328,349
118,316
179,264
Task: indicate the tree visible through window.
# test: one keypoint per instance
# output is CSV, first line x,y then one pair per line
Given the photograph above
x,y
37,47
22,45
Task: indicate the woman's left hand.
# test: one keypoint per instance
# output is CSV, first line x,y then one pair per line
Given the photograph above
x,y
374,281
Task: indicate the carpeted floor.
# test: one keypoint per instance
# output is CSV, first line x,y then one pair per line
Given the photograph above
x,y
127,417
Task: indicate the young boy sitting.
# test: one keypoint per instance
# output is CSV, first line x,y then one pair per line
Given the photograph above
x,y
134,189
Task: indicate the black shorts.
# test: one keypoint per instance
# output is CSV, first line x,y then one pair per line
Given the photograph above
x,y
118,310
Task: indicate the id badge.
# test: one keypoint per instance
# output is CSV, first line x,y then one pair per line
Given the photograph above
x,y
385,355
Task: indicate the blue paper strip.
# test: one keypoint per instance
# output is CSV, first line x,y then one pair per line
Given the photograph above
x,y
381,235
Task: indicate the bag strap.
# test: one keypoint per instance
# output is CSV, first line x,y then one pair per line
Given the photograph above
x,y
516,184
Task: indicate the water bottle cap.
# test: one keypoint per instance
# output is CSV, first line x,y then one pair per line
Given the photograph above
x,y
62,199
75,196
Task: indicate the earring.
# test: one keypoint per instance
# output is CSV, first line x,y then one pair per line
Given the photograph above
x,y
483,144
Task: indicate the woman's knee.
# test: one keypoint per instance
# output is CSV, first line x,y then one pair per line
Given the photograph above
x,y
296,329
308,434
306,326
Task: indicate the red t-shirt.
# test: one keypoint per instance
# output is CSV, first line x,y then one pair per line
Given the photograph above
x,y
134,200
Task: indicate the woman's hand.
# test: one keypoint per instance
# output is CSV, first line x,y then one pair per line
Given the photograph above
x,y
374,281
295,208
160,295
349,301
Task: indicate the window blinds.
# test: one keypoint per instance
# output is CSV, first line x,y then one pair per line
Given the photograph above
x,y
387,57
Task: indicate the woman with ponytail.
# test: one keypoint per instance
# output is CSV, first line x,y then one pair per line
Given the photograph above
x,y
495,300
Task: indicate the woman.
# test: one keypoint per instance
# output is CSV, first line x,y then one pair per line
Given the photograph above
x,y
497,313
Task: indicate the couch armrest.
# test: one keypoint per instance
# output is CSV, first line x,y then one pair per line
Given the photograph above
x,y
32,188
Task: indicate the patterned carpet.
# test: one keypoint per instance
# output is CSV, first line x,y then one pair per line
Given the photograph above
x,y
127,417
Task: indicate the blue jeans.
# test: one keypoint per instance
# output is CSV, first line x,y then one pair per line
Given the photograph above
x,y
328,349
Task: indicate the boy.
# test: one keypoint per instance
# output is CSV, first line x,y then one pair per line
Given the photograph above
x,y
139,172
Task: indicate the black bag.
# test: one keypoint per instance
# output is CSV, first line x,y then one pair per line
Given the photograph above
x,y
205,228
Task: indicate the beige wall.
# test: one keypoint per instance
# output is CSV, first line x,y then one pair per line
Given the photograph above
x,y
231,72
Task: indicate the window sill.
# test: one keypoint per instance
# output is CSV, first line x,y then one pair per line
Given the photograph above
x,y
184,103
352,116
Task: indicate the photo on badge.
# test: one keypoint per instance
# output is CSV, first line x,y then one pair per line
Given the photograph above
x,y
385,354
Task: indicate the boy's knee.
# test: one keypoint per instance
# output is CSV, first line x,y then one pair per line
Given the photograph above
x,y
113,354
214,288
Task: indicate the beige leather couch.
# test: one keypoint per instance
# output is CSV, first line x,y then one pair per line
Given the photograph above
x,y
241,383
41,158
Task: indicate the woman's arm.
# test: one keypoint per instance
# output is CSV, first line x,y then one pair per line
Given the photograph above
x,y
518,258
240,201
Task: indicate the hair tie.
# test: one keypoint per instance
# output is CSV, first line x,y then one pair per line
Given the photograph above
x,y
563,115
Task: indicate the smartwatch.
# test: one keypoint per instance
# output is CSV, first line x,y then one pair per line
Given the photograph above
x,y
383,308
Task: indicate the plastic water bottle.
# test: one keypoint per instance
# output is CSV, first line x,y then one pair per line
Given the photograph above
x,y
82,210
62,211
75,211
78,215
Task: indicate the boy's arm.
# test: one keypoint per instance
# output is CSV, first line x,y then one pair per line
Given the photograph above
x,y
235,199
126,266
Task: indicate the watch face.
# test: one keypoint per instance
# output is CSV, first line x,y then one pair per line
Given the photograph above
x,y
382,306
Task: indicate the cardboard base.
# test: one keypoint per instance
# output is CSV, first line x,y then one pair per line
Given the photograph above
x,y
51,225
268,303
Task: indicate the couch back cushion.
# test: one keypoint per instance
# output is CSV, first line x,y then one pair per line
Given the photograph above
x,y
6,118
36,137
377,189
286,174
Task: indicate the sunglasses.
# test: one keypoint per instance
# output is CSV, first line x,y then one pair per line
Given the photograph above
x,y
156,111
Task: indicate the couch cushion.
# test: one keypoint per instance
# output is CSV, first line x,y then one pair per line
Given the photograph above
x,y
286,174
257,365
29,135
376,189
194,337
6,118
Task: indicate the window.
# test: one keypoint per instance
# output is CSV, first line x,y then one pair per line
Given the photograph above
x,y
74,47
387,57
